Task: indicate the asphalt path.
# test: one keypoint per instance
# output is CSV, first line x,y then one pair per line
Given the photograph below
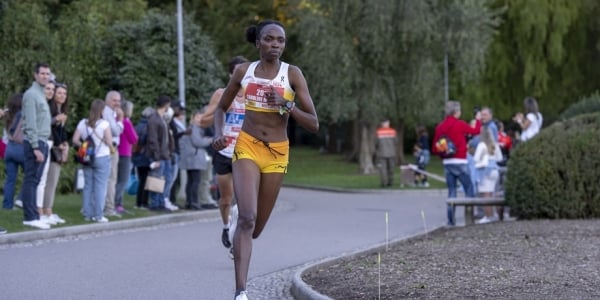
x,y
186,260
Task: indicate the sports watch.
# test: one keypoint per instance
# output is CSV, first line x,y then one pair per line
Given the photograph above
x,y
287,108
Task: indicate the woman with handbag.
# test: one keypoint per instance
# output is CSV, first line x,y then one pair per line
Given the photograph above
x,y
96,174
58,153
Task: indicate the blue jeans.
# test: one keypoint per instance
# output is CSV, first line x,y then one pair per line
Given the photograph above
x,y
94,189
461,173
32,173
168,174
13,159
123,172
174,170
157,200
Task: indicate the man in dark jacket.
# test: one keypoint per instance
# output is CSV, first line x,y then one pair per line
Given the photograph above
x,y
157,149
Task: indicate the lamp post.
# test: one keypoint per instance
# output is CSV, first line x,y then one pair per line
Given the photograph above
x,y
180,65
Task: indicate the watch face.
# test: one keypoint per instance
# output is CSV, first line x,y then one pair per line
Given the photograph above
x,y
289,104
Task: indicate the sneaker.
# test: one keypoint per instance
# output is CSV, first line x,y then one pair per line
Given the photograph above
x,y
242,296
19,203
112,214
120,209
225,238
485,220
231,252
233,222
57,219
170,206
37,224
3,230
426,184
209,206
102,219
47,220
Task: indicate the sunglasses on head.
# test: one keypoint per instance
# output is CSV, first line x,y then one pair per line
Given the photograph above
x,y
60,85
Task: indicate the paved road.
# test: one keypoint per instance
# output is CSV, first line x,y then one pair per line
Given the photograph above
x,y
187,261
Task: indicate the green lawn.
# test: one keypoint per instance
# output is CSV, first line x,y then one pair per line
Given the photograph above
x,y
308,167
67,207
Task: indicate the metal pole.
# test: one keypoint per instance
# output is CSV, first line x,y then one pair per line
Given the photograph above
x,y
446,88
180,65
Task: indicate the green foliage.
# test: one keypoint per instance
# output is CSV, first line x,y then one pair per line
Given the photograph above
x,y
585,105
143,60
544,49
26,39
226,21
81,29
555,175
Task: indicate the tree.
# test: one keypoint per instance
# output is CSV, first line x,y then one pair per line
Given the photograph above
x,y
545,49
80,31
372,60
26,39
142,57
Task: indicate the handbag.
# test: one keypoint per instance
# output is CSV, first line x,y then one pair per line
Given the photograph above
x,y
60,154
155,184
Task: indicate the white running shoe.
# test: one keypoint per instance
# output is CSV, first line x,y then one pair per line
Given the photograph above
x,y
19,203
101,220
47,220
486,219
242,296
233,222
37,224
57,219
170,206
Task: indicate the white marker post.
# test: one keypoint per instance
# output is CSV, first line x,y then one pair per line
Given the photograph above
x,y
387,231
379,271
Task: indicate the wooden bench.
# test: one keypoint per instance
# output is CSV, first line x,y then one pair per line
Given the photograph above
x,y
468,203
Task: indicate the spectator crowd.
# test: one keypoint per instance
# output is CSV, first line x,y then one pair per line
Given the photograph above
x,y
122,157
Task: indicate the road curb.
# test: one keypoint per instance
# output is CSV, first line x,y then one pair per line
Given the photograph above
x,y
58,232
302,291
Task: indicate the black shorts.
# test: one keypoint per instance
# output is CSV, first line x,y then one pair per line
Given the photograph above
x,y
222,164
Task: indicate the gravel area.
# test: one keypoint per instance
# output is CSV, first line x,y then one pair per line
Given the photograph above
x,y
557,259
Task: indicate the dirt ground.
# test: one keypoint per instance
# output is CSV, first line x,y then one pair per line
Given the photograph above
x,y
504,260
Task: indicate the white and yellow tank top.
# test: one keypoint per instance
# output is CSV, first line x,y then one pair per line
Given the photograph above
x,y
255,88
234,119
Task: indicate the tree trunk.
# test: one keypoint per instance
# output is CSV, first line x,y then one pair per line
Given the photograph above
x,y
366,149
400,128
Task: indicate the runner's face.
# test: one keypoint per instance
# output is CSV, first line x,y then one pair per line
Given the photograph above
x,y
272,42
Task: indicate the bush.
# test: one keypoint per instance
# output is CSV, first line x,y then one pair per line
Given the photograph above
x,y
585,105
555,175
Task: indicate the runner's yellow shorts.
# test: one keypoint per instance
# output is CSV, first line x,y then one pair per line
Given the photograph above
x,y
269,157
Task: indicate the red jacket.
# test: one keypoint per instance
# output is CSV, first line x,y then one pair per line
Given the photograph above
x,y
456,130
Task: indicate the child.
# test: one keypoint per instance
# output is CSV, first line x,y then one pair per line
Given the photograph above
x,y
421,153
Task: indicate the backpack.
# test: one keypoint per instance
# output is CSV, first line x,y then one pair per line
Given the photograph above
x,y
444,146
138,158
141,130
87,151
